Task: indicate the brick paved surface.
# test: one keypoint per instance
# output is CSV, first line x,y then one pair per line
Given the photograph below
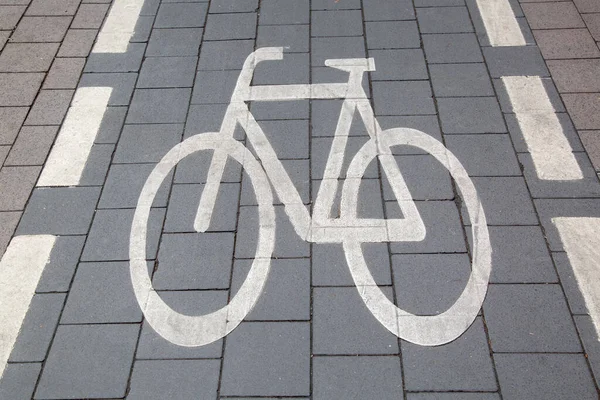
x,y
310,335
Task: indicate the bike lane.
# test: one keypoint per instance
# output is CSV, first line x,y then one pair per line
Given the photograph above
x,y
118,101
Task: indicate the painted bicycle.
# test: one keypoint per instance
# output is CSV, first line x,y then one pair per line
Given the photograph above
x,y
348,229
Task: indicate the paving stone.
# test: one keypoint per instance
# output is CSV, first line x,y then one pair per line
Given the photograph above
x,y
569,284
403,98
142,30
587,6
484,155
205,118
505,61
64,74
406,64
96,168
89,16
194,168
157,141
293,38
159,106
188,302
19,89
566,43
231,6
124,185
591,141
27,57
160,72
122,85
470,115
529,318
174,42
576,75
333,5
230,26
181,15
451,48
453,396
370,201
50,107
260,361
593,24
320,148
325,116
32,145
552,15
18,380
336,23
111,125
52,7
16,184
344,377
58,273
299,173
343,325
11,119
8,223
458,80
269,110
77,43
38,328
41,29
444,20
108,239
438,3
542,376
331,75
379,10
4,38
286,295
591,345
553,95
10,16
89,361
3,153
284,12
336,47
464,364
289,138
584,109
294,68
150,7
117,62
392,35
182,379
224,55
214,87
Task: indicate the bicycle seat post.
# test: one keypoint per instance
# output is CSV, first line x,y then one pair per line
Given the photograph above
x,y
356,67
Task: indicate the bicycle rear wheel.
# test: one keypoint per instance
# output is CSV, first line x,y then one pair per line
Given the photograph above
x,y
186,330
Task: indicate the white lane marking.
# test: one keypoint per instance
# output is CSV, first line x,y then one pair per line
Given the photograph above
x,y
20,270
550,150
500,23
581,240
76,137
119,27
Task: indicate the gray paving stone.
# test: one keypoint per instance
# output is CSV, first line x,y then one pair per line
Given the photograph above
x,y
181,15
3,153
343,325
16,184
392,35
344,378
4,38
188,302
519,141
336,47
89,16
108,239
8,223
464,364
38,328
32,145
286,295
96,168
204,118
224,55
543,376
146,143
403,98
451,48
77,43
64,74
159,106
161,72
444,20
294,38
320,148
429,284
325,116
19,89
289,138
569,284
230,26
11,119
110,127
333,5
59,271
53,7
453,395
378,10
10,16
117,62
444,230
470,115
457,80
18,380
89,361
484,155
294,68
27,57
331,75
370,201
330,268
194,168
336,23
284,12
101,293
529,318
174,42
438,3
50,107
122,85
269,110
299,173
214,87
591,345
41,29
181,379
142,30
260,361
231,6
406,64
124,184
505,61
150,7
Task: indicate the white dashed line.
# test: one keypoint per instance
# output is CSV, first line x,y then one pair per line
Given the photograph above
x,y
119,27
500,23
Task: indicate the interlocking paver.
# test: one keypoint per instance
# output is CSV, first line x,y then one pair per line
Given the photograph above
x,y
19,380
53,7
264,111
230,6
174,42
444,20
163,72
213,87
110,128
27,57
593,24
299,173
41,29
566,43
453,395
50,107
10,16
294,38
89,16
181,15
289,138
294,68
58,273
32,145
124,184
451,48
117,62
424,176
552,15
392,34
584,109
64,74
380,10
470,115
455,80
157,139
97,165
565,122
11,119
230,26
404,64
8,223
224,55
19,89
576,75
485,155
592,146
589,337
77,43
336,47
403,98
336,23
284,12
16,184
158,106
122,85
335,5
569,284
320,151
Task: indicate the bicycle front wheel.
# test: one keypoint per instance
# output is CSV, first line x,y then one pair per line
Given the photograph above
x,y
186,330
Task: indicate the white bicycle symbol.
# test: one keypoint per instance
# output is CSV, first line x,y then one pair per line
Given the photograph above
x,y
348,229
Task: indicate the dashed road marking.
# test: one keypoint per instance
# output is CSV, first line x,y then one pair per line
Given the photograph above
x,y
119,27
500,23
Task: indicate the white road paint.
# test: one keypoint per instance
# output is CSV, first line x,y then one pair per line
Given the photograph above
x,y
500,23
550,150
72,148
348,229
20,270
581,240
119,27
